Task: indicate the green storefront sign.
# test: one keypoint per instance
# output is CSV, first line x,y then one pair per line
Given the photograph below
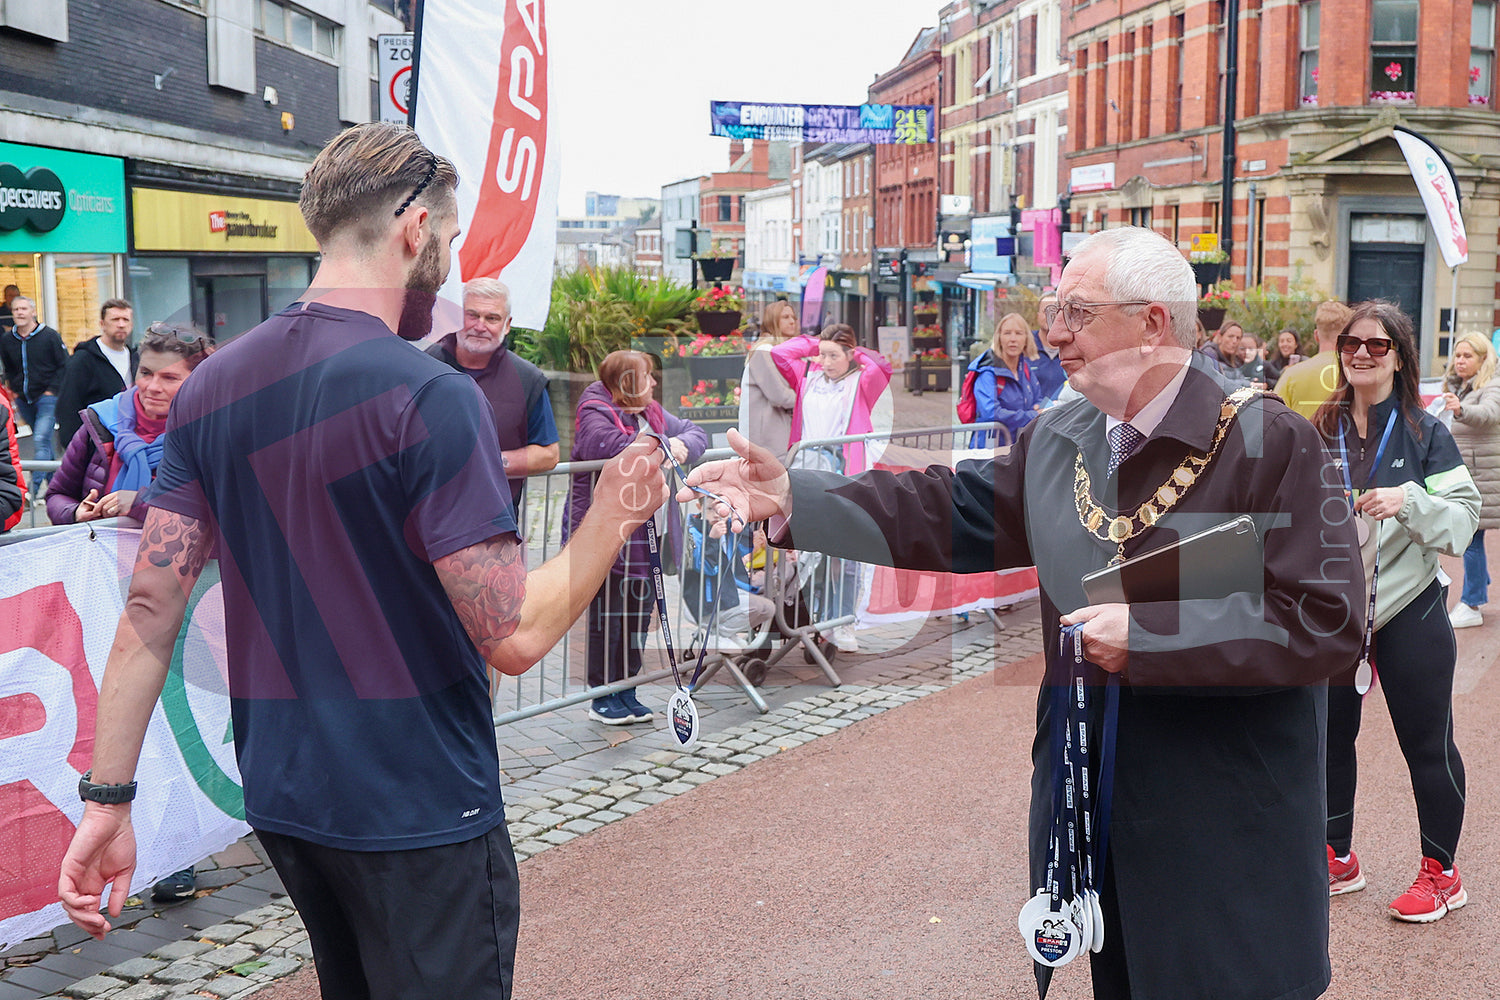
x,y
54,201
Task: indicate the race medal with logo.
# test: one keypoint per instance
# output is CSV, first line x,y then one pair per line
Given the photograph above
x,y
1036,907
1053,940
1096,921
1081,915
1364,678
682,718
1361,530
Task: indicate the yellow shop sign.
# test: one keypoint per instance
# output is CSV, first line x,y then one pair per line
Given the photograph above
x,y
190,221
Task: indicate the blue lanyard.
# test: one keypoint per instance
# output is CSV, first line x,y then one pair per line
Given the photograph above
x,y
1385,438
1082,796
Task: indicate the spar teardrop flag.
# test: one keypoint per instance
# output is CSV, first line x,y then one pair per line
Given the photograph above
x,y
480,96
1439,188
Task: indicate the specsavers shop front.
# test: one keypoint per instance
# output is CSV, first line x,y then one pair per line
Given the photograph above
x,y
223,262
63,233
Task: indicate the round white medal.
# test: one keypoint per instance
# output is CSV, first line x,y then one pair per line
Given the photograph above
x,y
1096,921
682,719
1036,907
1364,678
1053,940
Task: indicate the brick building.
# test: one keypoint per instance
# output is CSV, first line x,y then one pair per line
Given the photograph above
x,y
179,130
1322,194
906,196
721,195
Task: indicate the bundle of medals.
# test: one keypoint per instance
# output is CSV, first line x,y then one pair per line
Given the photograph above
x,y
1064,918
682,714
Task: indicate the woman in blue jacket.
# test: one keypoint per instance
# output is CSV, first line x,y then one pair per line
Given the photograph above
x,y
1005,387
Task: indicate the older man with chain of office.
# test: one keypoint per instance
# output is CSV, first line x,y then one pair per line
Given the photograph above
x,y
1210,879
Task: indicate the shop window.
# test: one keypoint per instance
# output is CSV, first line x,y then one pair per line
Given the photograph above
x,y
161,290
1482,53
1393,51
724,207
284,23
21,270
1310,39
286,279
83,282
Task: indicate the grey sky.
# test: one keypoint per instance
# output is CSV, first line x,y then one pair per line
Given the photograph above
x,y
631,81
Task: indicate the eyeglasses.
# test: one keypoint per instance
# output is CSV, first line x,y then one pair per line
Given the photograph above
x,y
1075,313
1377,347
186,334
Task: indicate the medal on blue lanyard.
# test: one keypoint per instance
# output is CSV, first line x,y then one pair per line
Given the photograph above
x,y
1061,921
682,714
1364,673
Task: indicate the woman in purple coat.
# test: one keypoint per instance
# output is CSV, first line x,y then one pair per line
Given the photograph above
x,y
114,455
611,413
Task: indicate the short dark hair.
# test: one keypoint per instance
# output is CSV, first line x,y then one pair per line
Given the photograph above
x,y
114,304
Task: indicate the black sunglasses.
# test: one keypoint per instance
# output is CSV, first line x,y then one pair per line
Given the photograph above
x,y
1378,347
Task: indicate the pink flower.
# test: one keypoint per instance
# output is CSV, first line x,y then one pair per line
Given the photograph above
x,y
1474,74
1315,74
1393,71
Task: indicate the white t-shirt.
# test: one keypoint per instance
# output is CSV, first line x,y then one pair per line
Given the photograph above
x,y
120,358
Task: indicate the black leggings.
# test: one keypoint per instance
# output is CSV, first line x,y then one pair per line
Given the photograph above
x,y
1414,657
619,619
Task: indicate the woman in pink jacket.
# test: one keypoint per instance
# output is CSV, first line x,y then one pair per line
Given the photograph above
x,y
841,389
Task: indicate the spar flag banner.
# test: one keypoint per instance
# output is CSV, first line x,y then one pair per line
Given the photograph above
x,y
1435,180
60,598
481,99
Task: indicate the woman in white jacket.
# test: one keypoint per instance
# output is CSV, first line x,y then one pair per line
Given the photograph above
x,y
1472,395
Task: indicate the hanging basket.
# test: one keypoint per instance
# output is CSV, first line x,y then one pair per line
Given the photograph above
x,y
1212,317
1209,273
715,268
717,324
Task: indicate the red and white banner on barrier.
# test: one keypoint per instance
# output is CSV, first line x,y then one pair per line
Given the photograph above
x,y
898,595
60,598
482,101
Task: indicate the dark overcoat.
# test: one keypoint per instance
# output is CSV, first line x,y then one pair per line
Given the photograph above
x,y
1217,849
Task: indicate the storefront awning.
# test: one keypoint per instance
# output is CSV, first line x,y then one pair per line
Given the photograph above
x,y
984,282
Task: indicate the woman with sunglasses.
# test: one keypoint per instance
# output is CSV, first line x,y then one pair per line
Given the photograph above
x,y
1415,500
114,455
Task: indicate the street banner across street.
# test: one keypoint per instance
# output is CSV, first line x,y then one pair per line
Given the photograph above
x,y
883,124
1439,189
482,102
60,599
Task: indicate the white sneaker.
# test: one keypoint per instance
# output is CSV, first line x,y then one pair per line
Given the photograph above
x,y
725,642
1463,616
23,430
843,639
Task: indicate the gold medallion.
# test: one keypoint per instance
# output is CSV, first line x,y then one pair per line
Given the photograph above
x,y
1119,529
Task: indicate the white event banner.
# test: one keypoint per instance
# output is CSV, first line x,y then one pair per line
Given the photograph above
x,y
61,596
1439,190
482,101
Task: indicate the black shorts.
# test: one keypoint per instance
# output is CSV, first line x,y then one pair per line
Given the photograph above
x,y
436,922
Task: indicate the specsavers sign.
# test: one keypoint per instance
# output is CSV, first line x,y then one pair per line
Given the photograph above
x,y
52,200
188,221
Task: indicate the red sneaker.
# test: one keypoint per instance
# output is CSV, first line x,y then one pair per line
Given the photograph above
x,y
1343,877
1431,896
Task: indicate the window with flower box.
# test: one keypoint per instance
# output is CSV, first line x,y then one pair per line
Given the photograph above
x,y
1393,51
1310,37
1482,53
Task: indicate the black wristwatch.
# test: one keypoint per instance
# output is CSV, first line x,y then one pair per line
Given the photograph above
x,y
109,795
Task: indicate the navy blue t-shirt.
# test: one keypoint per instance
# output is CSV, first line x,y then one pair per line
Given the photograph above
x,y
336,462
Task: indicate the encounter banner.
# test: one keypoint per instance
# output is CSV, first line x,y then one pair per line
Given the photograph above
x,y
884,124
60,599
482,101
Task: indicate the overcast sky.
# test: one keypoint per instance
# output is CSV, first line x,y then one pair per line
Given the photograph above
x,y
631,81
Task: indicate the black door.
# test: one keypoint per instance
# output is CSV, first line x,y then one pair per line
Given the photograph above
x,y
1388,271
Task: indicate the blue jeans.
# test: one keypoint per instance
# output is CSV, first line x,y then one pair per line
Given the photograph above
x,y
1476,573
42,416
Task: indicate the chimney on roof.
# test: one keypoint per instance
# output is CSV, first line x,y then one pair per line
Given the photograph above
x,y
736,150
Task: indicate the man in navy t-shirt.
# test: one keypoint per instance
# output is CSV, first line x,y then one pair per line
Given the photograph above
x,y
353,491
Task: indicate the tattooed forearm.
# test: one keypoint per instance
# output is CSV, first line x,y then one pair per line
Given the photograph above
x,y
487,585
177,542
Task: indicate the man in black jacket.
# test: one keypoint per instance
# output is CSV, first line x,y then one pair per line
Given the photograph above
x,y
100,367
34,359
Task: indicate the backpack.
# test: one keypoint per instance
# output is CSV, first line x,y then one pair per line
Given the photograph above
x,y
968,406
9,427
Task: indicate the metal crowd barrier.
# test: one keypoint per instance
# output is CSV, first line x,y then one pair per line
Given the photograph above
x,y
31,467
807,601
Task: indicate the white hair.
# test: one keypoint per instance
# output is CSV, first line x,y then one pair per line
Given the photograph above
x,y
1143,264
24,298
488,288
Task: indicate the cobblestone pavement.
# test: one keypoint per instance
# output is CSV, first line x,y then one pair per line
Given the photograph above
x,y
565,777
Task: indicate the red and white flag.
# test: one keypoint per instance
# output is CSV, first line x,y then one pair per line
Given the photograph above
x,y
482,101
1439,189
